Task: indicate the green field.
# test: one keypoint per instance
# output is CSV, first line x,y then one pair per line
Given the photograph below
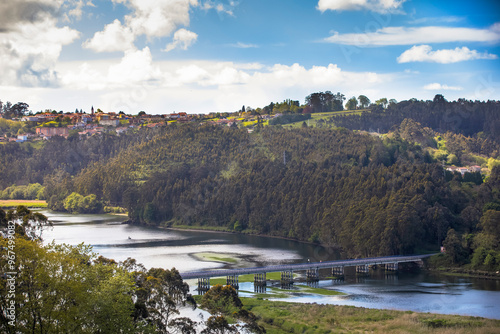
x,y
315,117
14,203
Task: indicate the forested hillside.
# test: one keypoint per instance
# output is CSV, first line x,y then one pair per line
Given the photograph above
x,y
469,118
368,195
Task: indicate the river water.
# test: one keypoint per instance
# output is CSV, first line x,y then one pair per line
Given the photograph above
x,y
191,251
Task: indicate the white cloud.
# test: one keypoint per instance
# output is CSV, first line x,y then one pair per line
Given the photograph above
x,y
219,7
152,18
136,82
417,35
190,74
438,86
424,53
157,18
76,8
438,19
241,45
380,6
182,39
30,47
135,67
114,37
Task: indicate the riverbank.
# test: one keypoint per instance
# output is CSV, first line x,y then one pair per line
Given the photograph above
x,y
439,264
220,229
284,317
462,272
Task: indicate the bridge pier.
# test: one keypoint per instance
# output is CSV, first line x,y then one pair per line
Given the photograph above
x,y
312,275
363,269
286,279
338,271
391,266
203,285
232,280
260,279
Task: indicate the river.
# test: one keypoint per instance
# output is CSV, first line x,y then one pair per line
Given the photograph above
x,y
195,250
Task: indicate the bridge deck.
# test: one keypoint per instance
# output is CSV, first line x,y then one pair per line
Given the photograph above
x,y
304,266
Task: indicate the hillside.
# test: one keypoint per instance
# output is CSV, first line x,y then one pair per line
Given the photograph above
x,y
365,194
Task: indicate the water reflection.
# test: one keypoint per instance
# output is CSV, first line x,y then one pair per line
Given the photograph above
x,y
170,248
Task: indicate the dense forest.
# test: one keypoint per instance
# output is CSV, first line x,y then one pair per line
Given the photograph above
x,y
366,194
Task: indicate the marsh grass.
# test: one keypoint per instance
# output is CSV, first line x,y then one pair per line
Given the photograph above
x,y
283,317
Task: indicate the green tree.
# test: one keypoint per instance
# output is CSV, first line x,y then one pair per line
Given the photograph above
x,y
363,101
490,223
61,290
478,257
218,325
28,224
453,247
182,326
382,102
73,202
222,300
352,103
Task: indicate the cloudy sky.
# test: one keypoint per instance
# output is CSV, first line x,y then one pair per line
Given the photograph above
x,y
217,55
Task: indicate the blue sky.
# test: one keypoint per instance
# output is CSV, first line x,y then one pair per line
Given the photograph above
x,y
217,55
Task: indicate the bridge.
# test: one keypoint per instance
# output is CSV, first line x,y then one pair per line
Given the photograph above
x,y
311,268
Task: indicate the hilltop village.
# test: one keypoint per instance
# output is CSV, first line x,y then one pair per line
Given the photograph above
x,y
43,126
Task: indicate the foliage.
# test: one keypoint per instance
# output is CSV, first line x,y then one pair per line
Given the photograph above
x,y
325,101
68,289
223,301
289,118
352,103
31,191
28,224
77,203
474,119
57,291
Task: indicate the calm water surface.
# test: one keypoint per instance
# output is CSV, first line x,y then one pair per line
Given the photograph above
x,y
168,248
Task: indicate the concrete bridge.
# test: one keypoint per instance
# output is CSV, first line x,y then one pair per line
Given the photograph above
x,y
311,268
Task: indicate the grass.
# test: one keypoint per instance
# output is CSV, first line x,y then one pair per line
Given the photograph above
x,y
14,203
215,257
283,317
315,117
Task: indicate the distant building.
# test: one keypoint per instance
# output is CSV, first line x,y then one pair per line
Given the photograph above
x,y
475,169
31,119
49,132
109,122
22,138
463,170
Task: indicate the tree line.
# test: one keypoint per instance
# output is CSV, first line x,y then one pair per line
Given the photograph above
x,y
462,117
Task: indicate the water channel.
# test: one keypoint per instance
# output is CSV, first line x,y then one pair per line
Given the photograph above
x,y
195,250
